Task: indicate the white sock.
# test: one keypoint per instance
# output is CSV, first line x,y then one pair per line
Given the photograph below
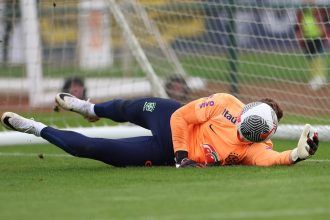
x,y
91,111
38,126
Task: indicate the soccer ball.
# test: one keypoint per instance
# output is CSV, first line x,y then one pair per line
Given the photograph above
x,y
257,122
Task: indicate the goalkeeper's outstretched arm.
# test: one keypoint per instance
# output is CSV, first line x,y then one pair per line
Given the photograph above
x,y
261,154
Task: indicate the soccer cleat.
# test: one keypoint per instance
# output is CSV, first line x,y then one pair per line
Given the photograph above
x,y
16,122
72,103
317,82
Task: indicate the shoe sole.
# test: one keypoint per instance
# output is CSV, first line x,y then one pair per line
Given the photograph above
x,y
5,120
59,99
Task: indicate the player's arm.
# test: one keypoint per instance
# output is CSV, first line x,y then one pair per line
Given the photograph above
x,y
195,112
180,121
261,154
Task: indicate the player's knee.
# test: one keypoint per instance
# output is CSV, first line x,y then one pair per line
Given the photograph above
x,y
122,106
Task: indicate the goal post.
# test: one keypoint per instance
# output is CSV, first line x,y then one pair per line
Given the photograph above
x,y
136,50
178,49
32,50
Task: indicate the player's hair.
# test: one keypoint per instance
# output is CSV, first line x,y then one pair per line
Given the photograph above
x,y
182,82
275,106
74,80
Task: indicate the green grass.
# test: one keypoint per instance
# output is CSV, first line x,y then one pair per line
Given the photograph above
x,y
251,67
73,188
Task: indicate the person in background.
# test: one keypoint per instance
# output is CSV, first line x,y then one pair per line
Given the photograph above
x,y
177,88
311,33
12,14
76,87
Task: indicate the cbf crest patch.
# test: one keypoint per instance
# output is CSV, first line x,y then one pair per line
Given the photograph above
x,y
149,106
211,156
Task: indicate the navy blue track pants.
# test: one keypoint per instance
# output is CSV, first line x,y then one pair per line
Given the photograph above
x,y
150,113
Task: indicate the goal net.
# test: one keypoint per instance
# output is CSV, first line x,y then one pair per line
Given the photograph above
x,y
182,49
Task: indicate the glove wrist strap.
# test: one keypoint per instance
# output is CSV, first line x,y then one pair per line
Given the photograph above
x,y
180,155
294,155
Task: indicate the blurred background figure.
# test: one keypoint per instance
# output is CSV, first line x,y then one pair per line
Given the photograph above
x,y
75,86
176,88
311,33
11,16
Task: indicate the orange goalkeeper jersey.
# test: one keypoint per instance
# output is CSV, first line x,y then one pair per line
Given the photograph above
x,y
206,128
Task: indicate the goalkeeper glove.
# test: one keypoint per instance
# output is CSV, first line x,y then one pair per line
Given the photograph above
x,y
182,161
307,146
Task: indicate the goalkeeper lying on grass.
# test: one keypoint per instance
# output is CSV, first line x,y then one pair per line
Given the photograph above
x,y
216,130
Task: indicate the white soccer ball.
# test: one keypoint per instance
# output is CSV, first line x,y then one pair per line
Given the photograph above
x,y
257,122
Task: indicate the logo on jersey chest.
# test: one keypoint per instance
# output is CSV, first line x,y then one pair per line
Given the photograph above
x,y
229,116
205,104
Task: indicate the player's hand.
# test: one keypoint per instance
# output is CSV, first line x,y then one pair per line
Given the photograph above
x,y
307,145
189,163
182,161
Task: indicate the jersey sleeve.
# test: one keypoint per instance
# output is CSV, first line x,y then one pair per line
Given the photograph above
x,y
262,154
195,112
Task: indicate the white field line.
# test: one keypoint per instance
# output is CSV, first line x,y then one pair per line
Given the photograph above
x,y
262,214
19,154
318,161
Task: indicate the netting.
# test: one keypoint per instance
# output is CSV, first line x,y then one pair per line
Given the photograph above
x,y
186,48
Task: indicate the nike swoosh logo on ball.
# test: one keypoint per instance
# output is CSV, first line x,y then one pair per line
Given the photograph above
x,y
264,136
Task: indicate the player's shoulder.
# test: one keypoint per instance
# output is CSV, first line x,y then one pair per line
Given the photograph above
x,y
225,97
219,99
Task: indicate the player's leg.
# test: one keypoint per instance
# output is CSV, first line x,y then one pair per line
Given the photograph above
x,y
123,152
145,112
136,151
149,113
315,54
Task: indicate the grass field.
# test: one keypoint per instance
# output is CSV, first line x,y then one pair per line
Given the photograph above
x,y
62,187
251,66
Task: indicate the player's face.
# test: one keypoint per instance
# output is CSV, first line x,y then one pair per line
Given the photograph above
x,y
177,91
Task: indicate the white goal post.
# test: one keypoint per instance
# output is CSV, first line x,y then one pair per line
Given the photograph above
x,y
33,48
178,49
